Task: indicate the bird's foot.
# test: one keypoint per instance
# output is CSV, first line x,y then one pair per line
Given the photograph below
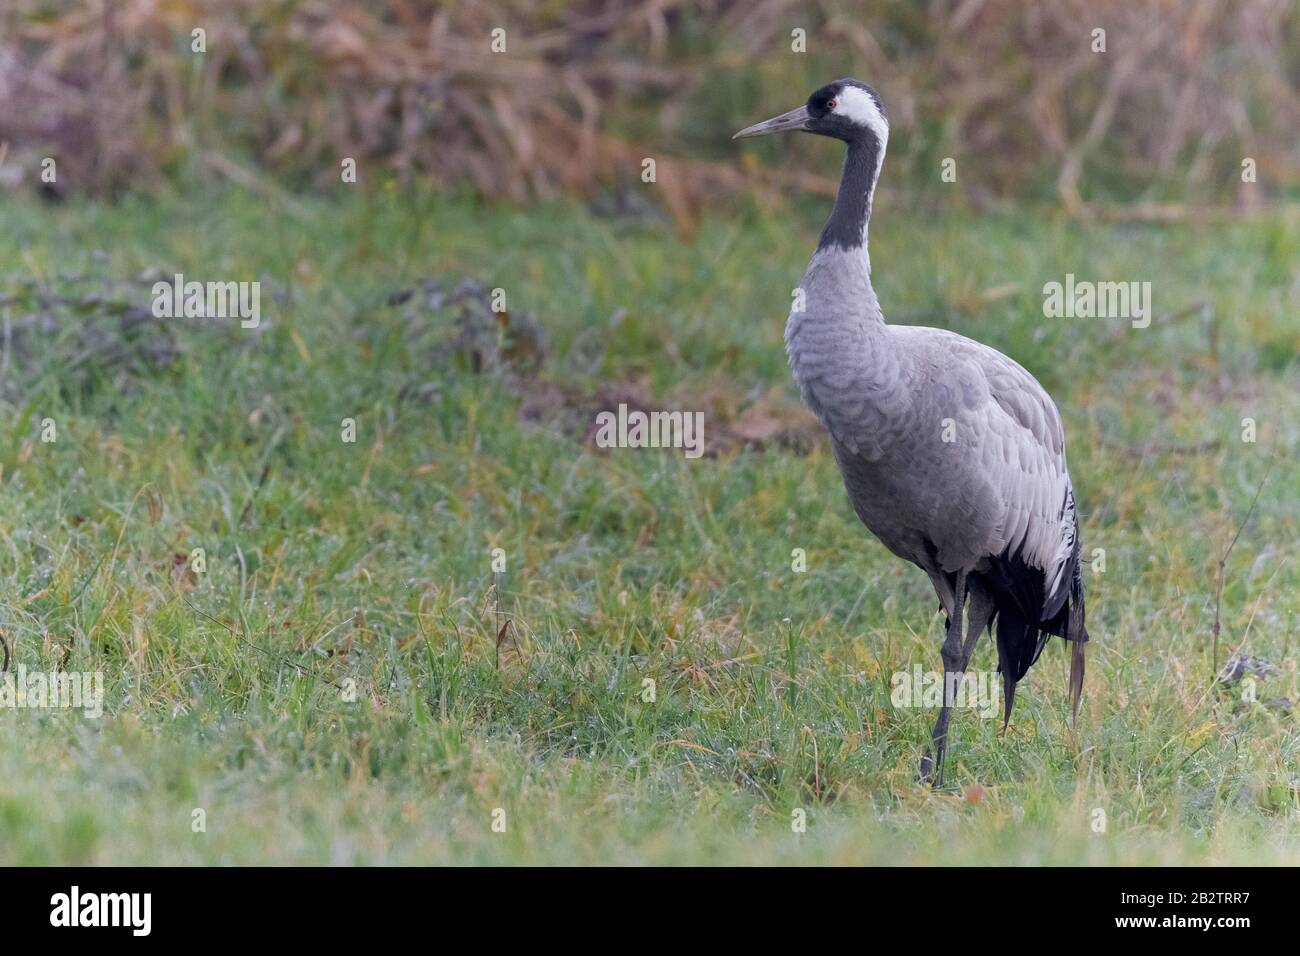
x,y
931,769
926,770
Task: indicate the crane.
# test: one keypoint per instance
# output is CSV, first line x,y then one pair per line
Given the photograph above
x,y
952,454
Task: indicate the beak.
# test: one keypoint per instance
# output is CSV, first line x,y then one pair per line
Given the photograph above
x,y
795,119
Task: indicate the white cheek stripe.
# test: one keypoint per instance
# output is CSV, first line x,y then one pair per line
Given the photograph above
x,y
857,105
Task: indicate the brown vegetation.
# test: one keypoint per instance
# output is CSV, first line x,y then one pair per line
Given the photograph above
x,y
586,88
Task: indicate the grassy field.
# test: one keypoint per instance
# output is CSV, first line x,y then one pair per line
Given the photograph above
x,y
333,565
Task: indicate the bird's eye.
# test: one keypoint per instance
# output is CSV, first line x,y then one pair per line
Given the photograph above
x,y
830,105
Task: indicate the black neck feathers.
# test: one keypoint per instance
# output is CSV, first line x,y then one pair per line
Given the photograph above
x,y
847,227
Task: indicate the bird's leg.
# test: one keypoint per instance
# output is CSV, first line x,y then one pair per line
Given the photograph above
x,y
981,612
953,667
982,609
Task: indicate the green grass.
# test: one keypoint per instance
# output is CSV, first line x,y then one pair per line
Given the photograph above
x,y
330,562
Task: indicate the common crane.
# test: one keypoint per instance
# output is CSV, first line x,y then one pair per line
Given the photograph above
x,y
952,454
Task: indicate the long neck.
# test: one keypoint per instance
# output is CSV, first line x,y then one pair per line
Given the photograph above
x,y
847,227
848,365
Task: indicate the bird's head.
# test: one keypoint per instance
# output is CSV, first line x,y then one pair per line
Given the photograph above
x,y
847,110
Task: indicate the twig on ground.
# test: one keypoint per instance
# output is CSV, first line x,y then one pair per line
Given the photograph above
x,y
1223,566
277,657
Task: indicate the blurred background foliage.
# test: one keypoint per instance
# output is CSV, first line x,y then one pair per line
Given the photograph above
x,y
1156,127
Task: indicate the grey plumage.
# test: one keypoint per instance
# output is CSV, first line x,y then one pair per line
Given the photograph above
x,y
952,454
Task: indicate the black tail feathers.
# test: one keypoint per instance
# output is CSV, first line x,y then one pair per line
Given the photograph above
x,y
1020,642
1076,631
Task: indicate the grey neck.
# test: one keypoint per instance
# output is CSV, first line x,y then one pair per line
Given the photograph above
x,y
849,367
847,227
